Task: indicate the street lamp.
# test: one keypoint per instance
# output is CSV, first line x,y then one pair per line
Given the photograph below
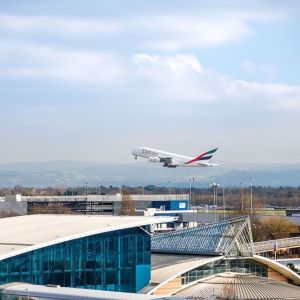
x,y
215,186
190,202
86,187
223,196
242,195
251,199
193,198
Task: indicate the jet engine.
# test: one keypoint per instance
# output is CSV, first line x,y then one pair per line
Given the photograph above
x,y
154,159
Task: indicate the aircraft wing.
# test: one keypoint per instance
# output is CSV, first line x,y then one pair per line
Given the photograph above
x,y
167,161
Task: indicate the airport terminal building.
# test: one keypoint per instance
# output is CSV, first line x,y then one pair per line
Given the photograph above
x,y
194,262
95,252
114,253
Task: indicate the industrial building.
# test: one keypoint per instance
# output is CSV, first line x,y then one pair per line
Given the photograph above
x,y
90,204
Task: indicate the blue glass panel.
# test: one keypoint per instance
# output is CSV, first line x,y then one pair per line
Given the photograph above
x,y
142,277
105,261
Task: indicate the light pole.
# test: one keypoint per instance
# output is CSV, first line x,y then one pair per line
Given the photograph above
x,y
223,196
193,198
215,186
242,195
190,202
27,291
251,199
169,188
86,188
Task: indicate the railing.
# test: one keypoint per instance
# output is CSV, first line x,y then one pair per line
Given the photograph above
x,y
277,244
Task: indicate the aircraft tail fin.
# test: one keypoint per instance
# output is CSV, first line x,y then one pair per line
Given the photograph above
x,y
204,156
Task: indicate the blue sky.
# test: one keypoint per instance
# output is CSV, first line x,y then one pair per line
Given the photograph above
x,y
89,80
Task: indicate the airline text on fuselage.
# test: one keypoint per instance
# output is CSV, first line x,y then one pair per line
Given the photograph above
x,y
149,152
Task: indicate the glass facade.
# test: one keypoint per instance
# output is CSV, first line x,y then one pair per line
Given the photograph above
x,y
115,261
244,266
229,238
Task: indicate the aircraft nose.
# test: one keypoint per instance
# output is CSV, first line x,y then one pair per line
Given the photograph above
x,y
134,151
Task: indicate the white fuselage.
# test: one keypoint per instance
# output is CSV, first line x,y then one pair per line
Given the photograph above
x,y
176,160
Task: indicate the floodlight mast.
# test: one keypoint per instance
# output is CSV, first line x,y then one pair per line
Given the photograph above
x,y
215,186
242,195
251,195
192,199
223,196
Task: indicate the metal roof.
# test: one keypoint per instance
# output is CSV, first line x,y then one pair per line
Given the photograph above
x,y
163,274
160,260
230,238
26,233
240,286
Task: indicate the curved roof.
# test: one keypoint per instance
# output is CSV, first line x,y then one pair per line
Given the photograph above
x,y
26,233
161,276
240,286
285,271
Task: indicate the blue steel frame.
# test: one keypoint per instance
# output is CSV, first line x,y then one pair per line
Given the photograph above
x,y
116,261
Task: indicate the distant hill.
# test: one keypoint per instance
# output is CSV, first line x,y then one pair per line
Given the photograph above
x,y
74,173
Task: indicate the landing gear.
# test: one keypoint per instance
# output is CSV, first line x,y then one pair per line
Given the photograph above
x,y
135,157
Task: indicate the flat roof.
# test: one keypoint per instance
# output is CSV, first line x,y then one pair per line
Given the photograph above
x,y
57,292
26,233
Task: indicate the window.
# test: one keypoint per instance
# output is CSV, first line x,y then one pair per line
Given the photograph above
x,y
245,266
104,261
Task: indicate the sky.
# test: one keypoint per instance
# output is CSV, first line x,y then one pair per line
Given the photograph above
x,y
90,80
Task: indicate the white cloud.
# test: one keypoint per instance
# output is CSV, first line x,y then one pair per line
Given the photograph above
x,y
181,32
177,63
257,70
177,77
57,25
171,32
182,77
37,62
272,95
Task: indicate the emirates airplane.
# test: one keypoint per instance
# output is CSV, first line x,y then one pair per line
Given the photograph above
x,y
171,160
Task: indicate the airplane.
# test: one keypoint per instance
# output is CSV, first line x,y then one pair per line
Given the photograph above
x,y
171,160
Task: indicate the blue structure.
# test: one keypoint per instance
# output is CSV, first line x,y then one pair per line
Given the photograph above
x,y
107,258
113,261
171,204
